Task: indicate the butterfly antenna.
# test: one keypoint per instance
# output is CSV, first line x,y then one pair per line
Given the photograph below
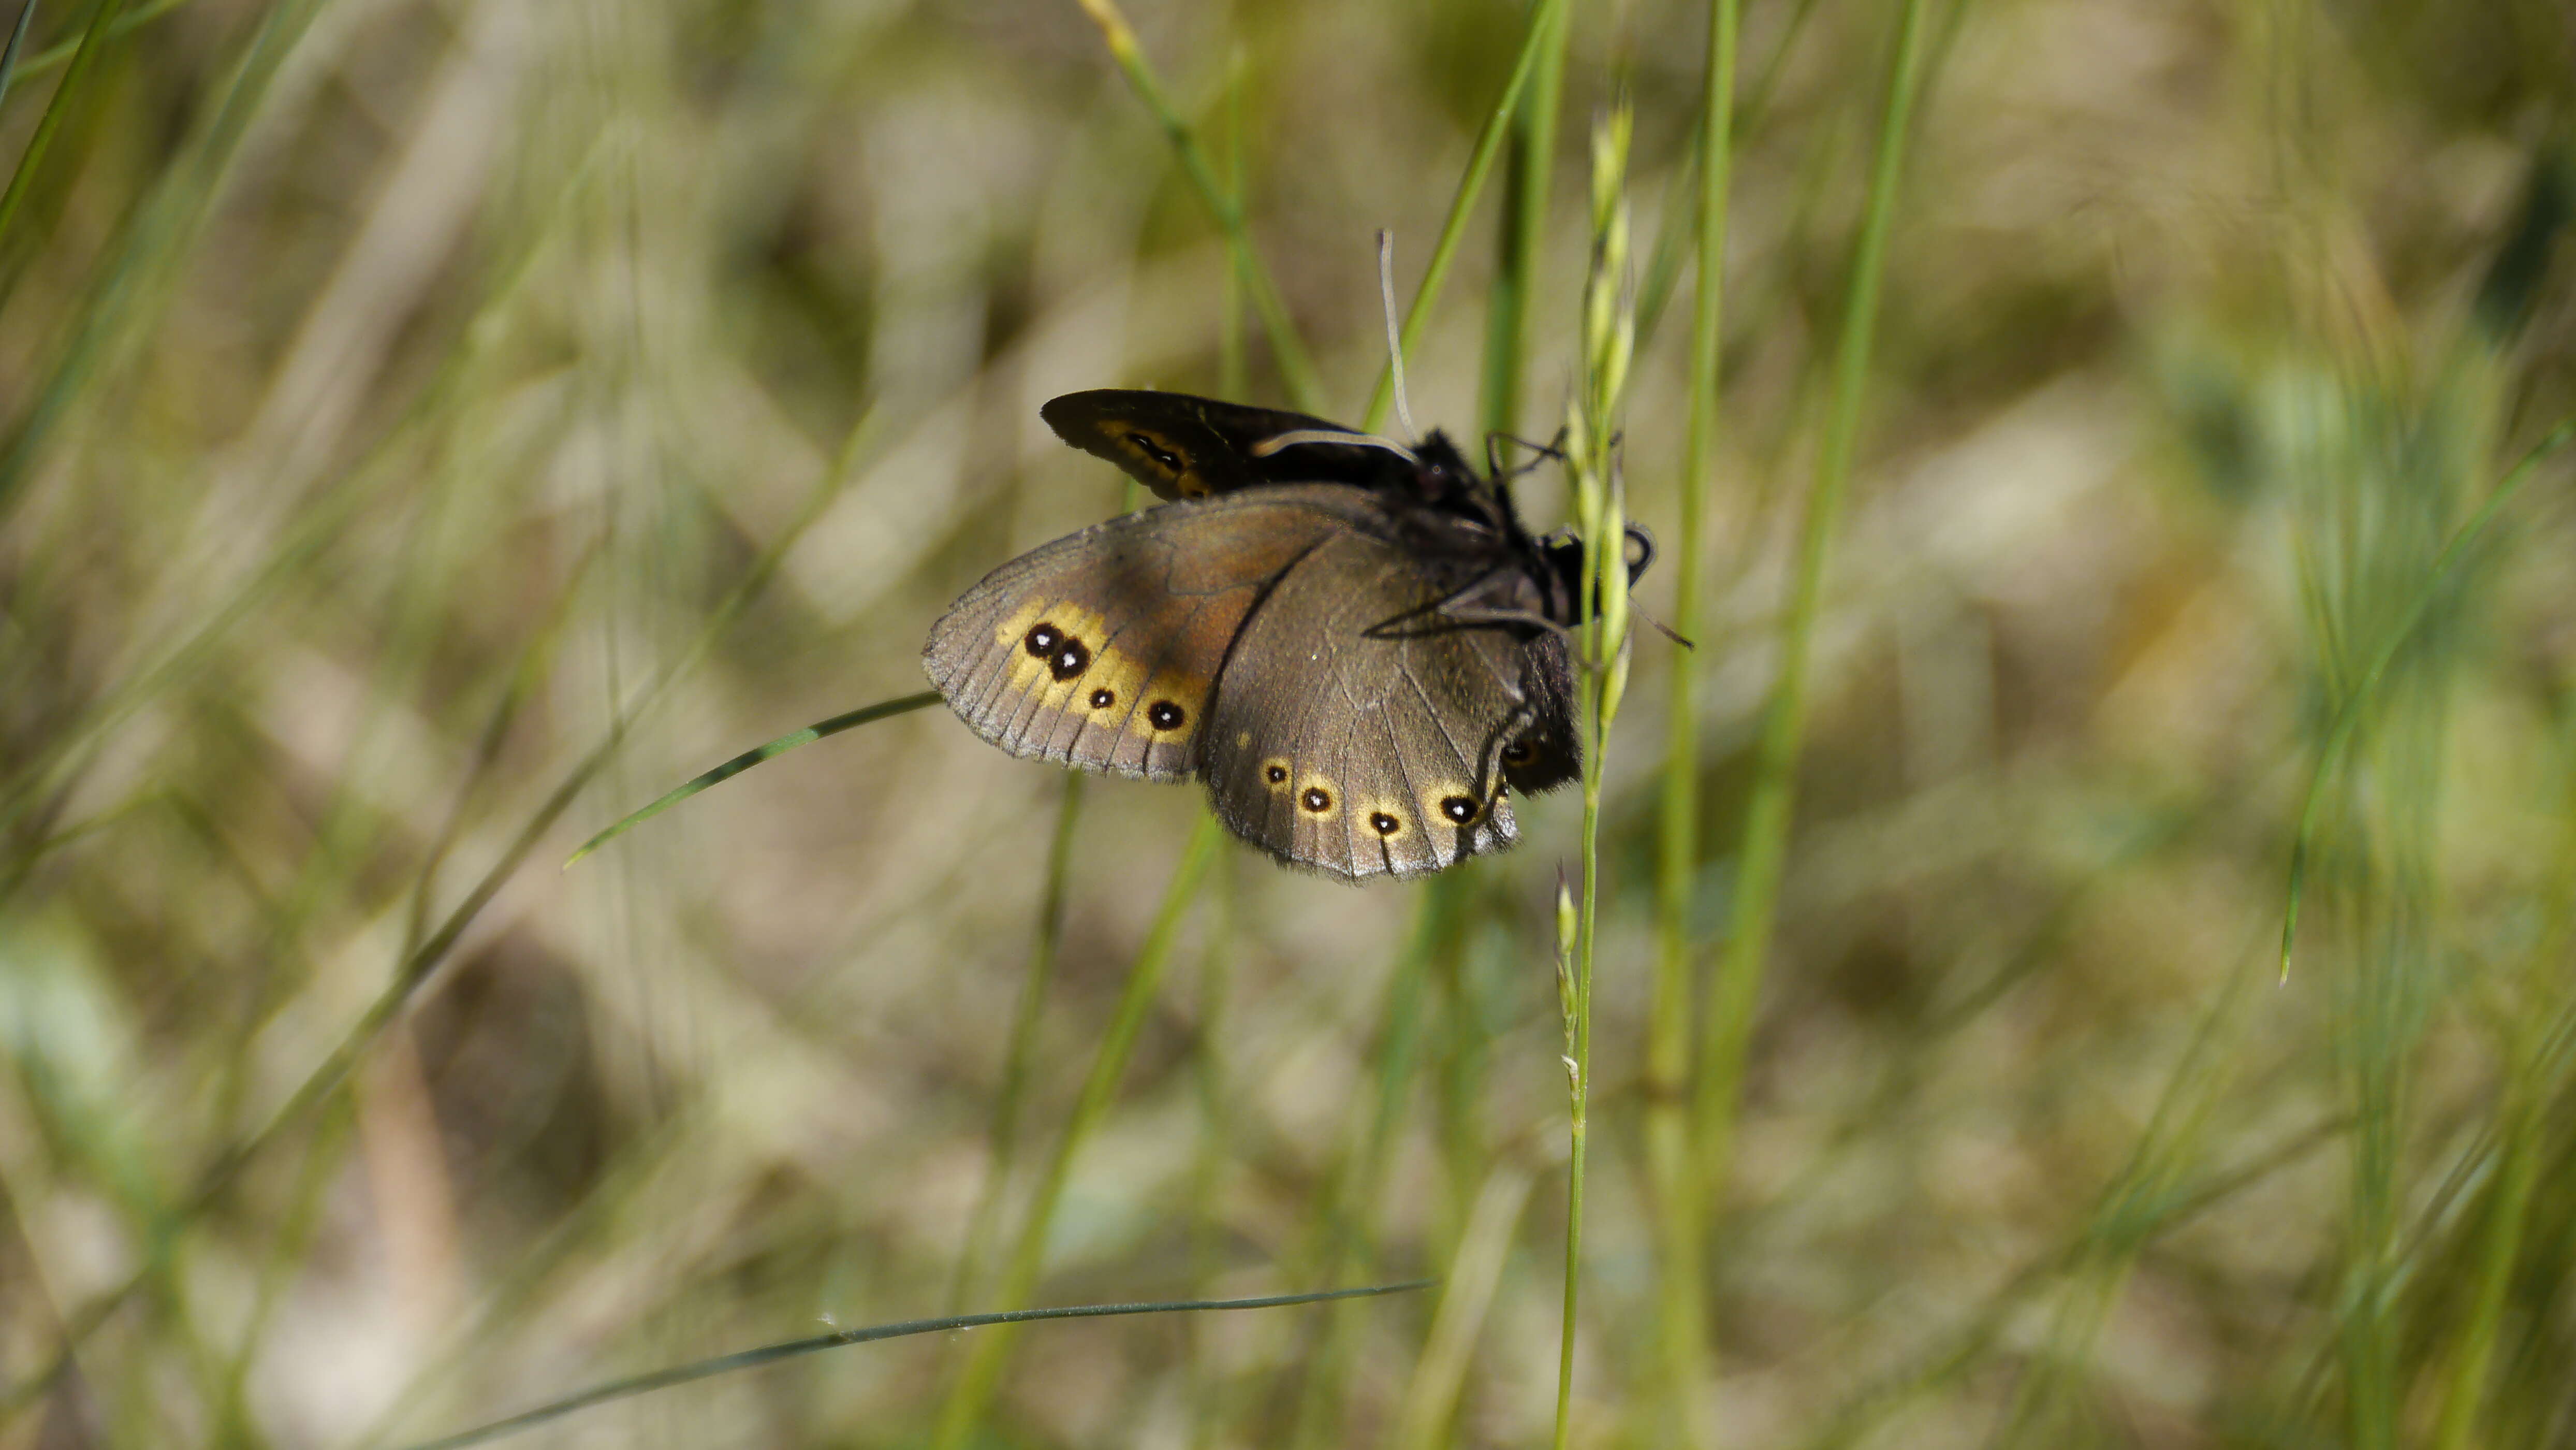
x,y
1662,628
1290,439
1539,452
1394,334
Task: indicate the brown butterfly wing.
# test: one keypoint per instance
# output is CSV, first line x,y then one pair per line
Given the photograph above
x,y
1359,752
1102,650
1544,752
1182,446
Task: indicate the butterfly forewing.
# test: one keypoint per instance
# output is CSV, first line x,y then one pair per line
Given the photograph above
x,y
1102,649
1185,447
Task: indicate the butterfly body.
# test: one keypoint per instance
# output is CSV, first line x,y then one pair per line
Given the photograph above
x,y
1356,647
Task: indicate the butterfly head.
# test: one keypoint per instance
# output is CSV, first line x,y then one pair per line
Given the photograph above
x,y
1524,580
1440,473
1561,556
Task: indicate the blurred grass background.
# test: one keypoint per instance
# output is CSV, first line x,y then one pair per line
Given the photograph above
x,y
433,429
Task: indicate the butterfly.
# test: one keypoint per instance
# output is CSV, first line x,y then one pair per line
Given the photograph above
x,y
1354,643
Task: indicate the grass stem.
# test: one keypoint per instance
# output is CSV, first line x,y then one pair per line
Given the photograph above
x,y
324,1082
1546,23
1592,426
1287,349
17,44
972,1394
1763,852
127,21
1527,185
66,95
1466,1294
842,1338
1346,1227
2349,712
1025,1020
1673,1169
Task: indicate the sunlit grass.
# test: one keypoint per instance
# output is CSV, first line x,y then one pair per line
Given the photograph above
x,y
2113,503
985,1361
1609,336
1679,1184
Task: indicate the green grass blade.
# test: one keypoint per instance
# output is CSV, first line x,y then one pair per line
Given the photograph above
x,y
985,1221
1287,349
1592,426
1345,1227
1466,1296
1763,853
126,24
83,61
1233,360
2532,1072
2348,714
414,967
2499,1245
1215,1145
1527,185
945,1324
864,715
972,1395
17,43
136,281
1674,1169
1546,20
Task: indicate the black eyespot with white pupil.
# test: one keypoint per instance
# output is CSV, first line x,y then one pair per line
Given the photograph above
x,y
1042,640
1459,808
1316,799
1103,699
1276,774
1164,715
1384,824
1070,659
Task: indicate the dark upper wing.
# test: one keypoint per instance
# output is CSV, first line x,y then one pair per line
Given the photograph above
x,y
1188,447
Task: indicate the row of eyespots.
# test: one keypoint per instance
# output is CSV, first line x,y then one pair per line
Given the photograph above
x,y
1065,656
1460,809
1068,657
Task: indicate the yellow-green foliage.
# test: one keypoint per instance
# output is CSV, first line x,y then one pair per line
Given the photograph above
x,y
428,431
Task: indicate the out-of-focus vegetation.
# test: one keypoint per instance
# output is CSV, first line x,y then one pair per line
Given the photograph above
x,y
433,429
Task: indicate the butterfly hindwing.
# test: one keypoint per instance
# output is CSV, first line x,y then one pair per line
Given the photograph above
x,y
1362,753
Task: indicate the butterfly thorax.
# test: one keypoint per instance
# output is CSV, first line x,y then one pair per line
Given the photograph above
x,y
1466,533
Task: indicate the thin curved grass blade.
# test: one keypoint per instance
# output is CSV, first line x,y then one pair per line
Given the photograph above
x,y
83,55
882,710
1544,18
772,1353
125,23
1287,347
17,43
